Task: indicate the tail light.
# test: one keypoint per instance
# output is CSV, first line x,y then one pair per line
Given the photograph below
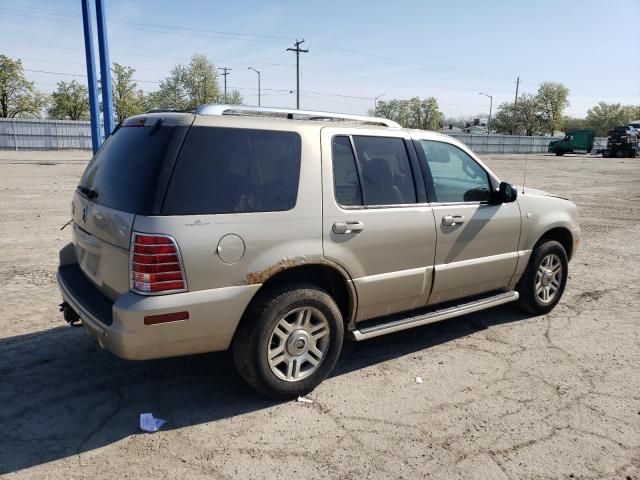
x,y
155,265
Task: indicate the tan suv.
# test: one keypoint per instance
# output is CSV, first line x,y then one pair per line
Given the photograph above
x,y
278,232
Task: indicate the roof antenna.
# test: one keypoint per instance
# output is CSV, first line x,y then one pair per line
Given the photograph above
x,y
524,178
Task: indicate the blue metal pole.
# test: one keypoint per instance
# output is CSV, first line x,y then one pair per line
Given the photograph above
x,y
91,76
105,69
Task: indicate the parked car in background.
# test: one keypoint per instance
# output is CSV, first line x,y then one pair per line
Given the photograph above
x,y
622,142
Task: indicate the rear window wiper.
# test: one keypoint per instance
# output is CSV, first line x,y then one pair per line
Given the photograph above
x,y
87,192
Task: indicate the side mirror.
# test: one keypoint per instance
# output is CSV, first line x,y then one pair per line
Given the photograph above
x,y
507,193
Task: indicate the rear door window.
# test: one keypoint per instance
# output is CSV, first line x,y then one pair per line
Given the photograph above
x,y
345,174
230,170
386,172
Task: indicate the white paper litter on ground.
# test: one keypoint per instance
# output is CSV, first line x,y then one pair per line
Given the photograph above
x,y
150,424
418,379
304,400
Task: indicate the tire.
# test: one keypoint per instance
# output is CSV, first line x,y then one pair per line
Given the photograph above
x,y
287,324
559,153
606,153
538,272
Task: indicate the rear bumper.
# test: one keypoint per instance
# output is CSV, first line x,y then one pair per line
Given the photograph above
x,y
119,326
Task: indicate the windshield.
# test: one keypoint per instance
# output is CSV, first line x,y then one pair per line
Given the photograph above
x,y
127,172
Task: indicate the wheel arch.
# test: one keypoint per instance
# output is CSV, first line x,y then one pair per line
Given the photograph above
x,y
326,275
560,234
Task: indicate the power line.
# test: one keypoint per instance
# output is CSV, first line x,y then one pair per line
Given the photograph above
x,y
117,53
298,51
165,29
276,90
70,14
66,16
79,75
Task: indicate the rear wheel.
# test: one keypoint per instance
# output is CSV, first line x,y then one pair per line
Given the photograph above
x,y
559,152
545,278
289,341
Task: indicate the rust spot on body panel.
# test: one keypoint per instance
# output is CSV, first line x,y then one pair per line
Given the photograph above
x,y
262,276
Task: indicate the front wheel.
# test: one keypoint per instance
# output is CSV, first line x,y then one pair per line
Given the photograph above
x,y
545,278
289,341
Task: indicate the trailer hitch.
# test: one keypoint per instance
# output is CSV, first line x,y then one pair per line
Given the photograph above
x,y
69,315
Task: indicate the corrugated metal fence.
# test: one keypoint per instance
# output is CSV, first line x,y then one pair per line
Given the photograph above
x,y
32,134
503,143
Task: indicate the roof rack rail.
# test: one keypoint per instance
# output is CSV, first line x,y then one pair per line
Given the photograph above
x,y
291,114
167,110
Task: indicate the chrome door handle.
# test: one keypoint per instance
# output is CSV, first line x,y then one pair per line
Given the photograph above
x,y
452,220
344,228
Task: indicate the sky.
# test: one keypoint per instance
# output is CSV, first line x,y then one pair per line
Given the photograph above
x,y
451,50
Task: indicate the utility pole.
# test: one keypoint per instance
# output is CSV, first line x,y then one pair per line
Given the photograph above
x,y
298,51
225,72
251,68
515,108
375,102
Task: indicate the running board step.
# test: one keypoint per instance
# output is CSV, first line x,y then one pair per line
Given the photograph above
x,y
398,324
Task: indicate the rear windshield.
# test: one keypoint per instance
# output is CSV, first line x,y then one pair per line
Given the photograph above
x,y
126,173
230,170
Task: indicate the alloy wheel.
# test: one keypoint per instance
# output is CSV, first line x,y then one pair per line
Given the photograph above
x,y
298,344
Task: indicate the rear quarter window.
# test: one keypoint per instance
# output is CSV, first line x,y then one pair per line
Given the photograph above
x,y
231,170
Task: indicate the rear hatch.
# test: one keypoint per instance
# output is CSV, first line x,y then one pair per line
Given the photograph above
x,y
127,176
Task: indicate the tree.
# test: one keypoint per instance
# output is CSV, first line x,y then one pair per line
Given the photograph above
x,y
571,123
234,98
525,118
188,86
604,116
632,112
70,102
530,115
413,113
504,121
18,96
127,100
552,99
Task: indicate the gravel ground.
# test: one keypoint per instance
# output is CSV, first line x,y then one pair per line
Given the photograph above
x,y
504,395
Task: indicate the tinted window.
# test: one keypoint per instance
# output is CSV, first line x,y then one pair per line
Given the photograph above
x,y
228,170
124,173
345,175
386,173
456,176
